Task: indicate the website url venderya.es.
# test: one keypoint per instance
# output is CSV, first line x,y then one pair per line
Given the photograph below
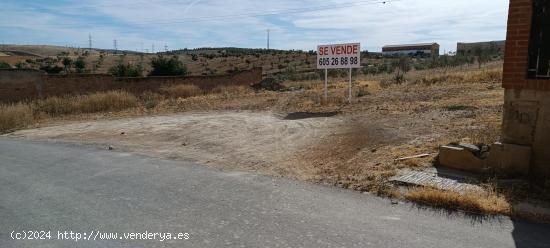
x,y
96,235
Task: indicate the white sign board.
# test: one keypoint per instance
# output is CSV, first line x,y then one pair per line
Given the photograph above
x,y
339,56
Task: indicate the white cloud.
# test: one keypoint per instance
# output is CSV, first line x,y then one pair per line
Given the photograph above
x,y
198,23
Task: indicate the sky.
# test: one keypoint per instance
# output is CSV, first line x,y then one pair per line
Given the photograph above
x,y
175,24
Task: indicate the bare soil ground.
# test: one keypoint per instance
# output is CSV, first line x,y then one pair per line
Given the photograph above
x,y
299,135
354,149
259,141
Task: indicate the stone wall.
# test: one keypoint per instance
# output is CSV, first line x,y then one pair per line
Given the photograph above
x,y
21,85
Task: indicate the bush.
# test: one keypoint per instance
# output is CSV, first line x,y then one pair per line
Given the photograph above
x,y
52,69
67,63
80,65
163,66
362,92
126,70
4,65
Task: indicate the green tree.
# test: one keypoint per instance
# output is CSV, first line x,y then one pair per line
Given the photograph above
x,y
80,65
163,66
67,63
21,65
401,66
126,70
4,65
482,56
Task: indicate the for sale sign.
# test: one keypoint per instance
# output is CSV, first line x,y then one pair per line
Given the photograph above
x,y
339,56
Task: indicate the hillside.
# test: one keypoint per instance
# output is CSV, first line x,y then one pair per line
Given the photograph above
x,y
202,61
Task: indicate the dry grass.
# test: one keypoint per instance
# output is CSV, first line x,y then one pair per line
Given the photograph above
x,y
181,91
15,116
474,202
231,91
93,103
485,76
107,101
23,114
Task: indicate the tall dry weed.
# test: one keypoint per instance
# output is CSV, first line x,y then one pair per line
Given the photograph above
x,y
181,91
15,116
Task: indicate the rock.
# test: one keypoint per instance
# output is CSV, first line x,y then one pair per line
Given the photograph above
x,y
469,147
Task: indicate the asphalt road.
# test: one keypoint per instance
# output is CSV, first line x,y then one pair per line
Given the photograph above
x,y
61,187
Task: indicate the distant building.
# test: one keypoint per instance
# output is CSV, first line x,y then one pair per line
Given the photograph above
x,y
422,49
470,48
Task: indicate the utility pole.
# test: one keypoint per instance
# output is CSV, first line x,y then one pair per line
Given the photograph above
x,y
153,48
90,41
165,48
115,45
268,39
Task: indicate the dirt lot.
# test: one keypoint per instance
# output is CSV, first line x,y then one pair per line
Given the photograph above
x,y
353,146
297,134
260,141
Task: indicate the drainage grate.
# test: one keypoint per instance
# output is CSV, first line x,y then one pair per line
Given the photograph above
x,y
433,180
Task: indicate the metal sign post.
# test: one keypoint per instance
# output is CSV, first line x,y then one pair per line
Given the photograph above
x,y
339,56
326,85
350,93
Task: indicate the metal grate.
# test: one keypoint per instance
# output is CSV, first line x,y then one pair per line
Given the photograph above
x,y
539,47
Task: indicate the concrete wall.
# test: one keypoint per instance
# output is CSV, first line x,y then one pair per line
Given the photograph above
x,y
527,122
20,85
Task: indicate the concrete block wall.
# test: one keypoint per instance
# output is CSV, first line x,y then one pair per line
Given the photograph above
x,y
22,85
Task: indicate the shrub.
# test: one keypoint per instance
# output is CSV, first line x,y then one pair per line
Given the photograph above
x,y
52,69
126,70
67,63
150,99
456,107
362,92
4,65
80,65
163,66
